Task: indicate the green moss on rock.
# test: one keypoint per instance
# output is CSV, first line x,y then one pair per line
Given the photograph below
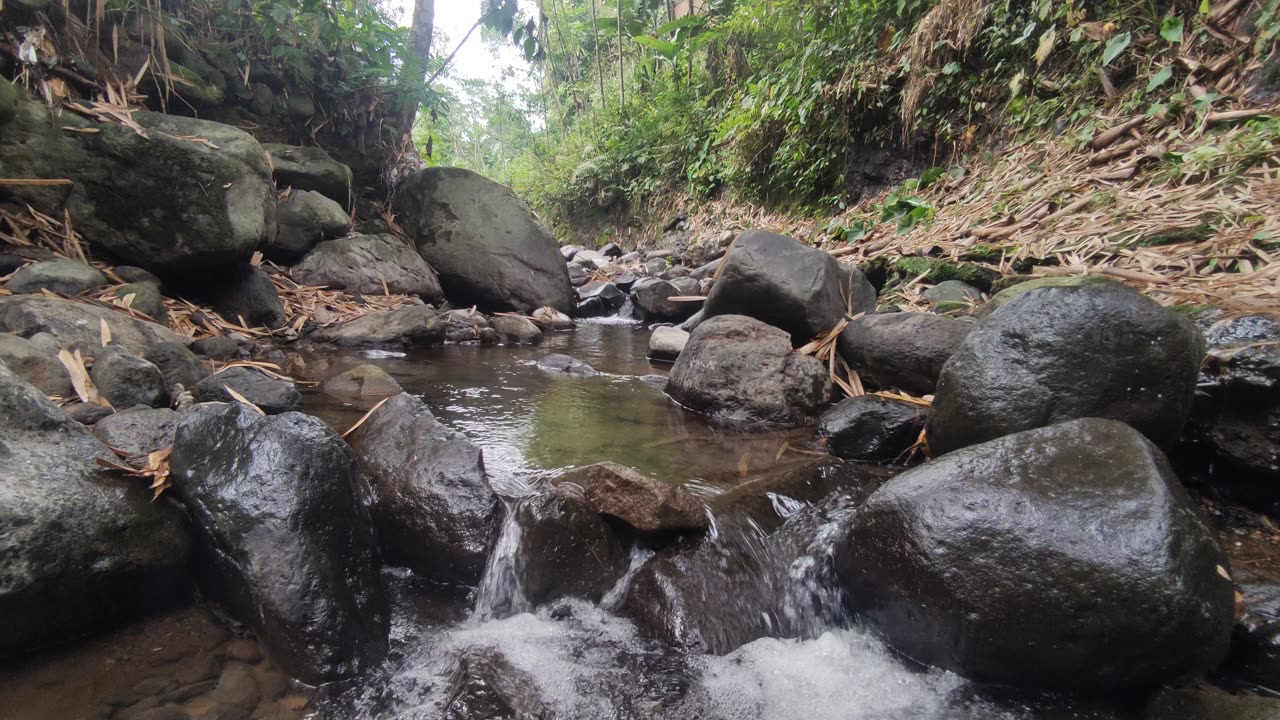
x,y
1003,297
937,271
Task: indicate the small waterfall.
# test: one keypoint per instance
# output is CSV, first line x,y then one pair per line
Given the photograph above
x,y
500,594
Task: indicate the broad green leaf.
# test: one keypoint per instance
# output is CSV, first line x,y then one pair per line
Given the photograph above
x,y
1118,45
1160,78
1171,30
1204,7
1047,41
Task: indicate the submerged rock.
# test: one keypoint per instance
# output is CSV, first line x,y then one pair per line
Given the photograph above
x,y
81,550
293,553
666,343
1054,354
180,197
738,369
563,364
642,502
566,549
78,326
902,350
407,326
787,284
872,429
1067,557
486,245
271,395
362,263
362,382
65,277
432,503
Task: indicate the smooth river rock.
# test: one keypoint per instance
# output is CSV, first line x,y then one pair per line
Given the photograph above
x,y
363,263
78,326
642,502
872,429
904,350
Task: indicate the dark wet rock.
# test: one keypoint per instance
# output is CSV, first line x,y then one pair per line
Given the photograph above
x,y
363,381
516,330
1255,640
137,275
653,266
952,295
78,326
611,250
310,168
567,549
688,287
673,272
219,347
65,277
626,280
290,553
36,366
738,369
82,550
1235,424
603,298
666,343
158,200
693,322
872,429
902,350
486,245
146,299
178,365
87,413
1004,296
787,284
1067,557
766,497
272,395
653,297
644,503
1054,354
407,326
362,263
565,365
707,271
248,294
138,432
468,326
10,263
483,683
1205,702
125,379
577,276
304,219
552,319
432,503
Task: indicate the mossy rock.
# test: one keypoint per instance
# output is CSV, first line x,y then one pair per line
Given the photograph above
x,y
937,271
146,300
8,101
300,107
1003,297
1009,281
195,88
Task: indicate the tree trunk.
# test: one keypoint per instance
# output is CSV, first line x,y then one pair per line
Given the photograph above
x,y
622,80
419,46
595,30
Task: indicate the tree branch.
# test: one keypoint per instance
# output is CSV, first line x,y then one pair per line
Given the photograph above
x,y
449,60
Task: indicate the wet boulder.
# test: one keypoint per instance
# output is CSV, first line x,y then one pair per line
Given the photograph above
x,y
666,343
872,429
432,504
363,382
643,503
1067,557
738,369
577,276
598,298
567,550
1255,640
125,379
248,295
486,245
558,364
271,395
415,325
36,366
310,168
901,350
82,549
363,263
65,277
292,554
78,326
304,219
138,432
785,283
1054,354
516,330
179,197
468,326
552,319
653,297
178,365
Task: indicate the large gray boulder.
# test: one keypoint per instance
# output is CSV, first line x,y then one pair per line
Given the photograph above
x,y
78,326
787,284
362,263
653,297
415,325
310,168
739,369
1068,557
432,503
903,350
80,549
305,218
1095,350
179,197
486,245
293,553
66,277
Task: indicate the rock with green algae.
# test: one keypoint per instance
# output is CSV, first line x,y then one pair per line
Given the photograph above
x,y
938,271
1002,297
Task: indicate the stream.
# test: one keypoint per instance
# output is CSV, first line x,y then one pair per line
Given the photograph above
x,y
465,655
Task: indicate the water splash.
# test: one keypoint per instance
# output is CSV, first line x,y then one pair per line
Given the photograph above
x,y
500,593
